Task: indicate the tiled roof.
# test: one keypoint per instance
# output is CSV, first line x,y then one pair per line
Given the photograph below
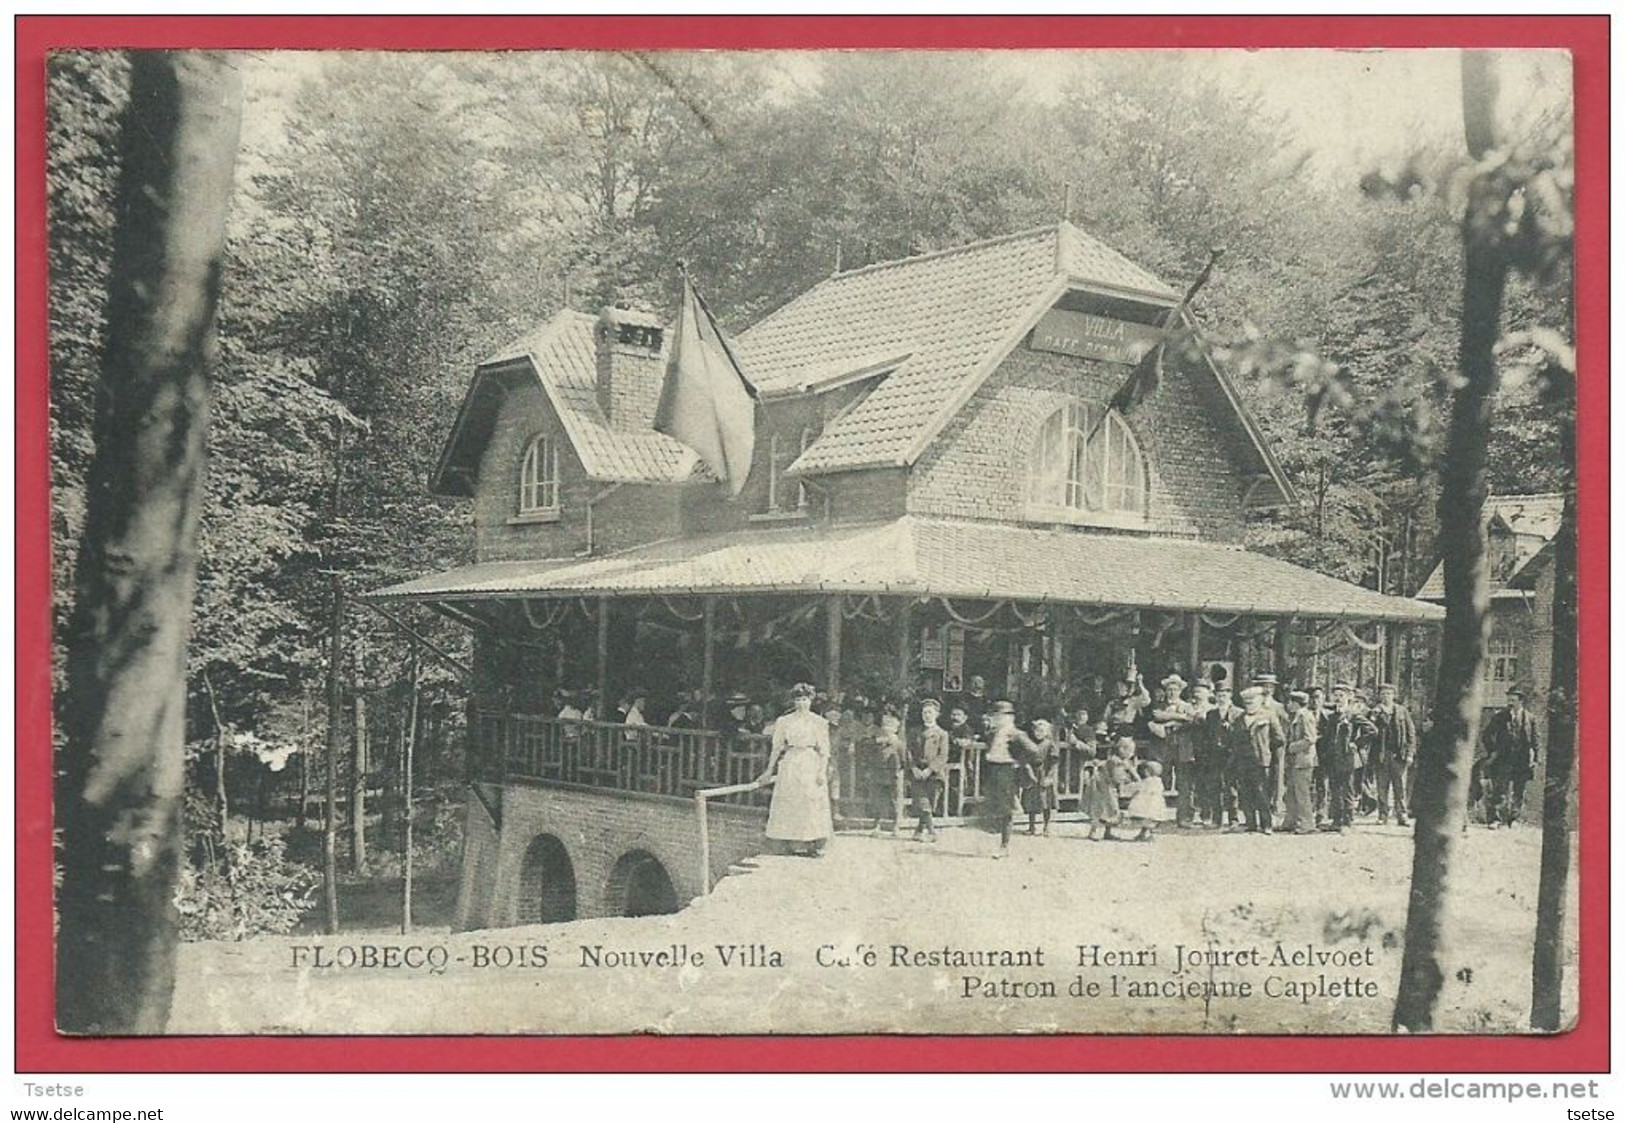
x,y
953,313
943,557
1532,519
562,354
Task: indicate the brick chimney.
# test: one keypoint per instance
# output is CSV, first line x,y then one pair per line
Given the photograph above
x,y
630,370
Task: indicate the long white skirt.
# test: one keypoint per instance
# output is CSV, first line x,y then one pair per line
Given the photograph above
x,y
800,811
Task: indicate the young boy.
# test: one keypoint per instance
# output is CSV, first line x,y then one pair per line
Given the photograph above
x,y
883,761
928,768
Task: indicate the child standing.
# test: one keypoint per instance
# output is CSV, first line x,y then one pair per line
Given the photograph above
x,y
883,765
1100,800
1148,806
1041,792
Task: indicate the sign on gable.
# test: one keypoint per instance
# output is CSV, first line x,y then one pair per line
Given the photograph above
x,y
1089,336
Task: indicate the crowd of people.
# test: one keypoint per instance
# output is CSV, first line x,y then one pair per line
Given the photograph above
x,y
1199,755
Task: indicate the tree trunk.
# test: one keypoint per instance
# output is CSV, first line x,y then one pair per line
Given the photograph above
x,y
123,770
222,806
304,763
1557,808
335,736
408,752
358,786
1444,763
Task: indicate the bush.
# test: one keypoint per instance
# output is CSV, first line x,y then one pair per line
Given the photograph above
x,y
265,894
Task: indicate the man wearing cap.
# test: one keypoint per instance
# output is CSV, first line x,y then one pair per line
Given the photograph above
x,y
1008,750
1275,786
1512,745
1393,747
927,768
1322,711
1267,683
1300,764
1347,744
975,701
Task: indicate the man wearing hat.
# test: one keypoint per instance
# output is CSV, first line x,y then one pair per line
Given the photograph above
x,y
1206,768
1173,722
1300,764
1121,716
1512,745
735,722
1347,745
927,768
1219,727
1261,740
1267,682
1393,748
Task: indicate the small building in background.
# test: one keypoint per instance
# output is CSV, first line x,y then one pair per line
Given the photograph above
x,y
1520,530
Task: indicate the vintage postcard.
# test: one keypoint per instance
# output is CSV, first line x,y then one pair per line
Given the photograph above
x,y
814,542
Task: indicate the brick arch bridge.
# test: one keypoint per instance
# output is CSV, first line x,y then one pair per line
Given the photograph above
x,y
535,852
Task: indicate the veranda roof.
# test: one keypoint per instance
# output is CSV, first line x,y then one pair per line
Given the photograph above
x,y
923,556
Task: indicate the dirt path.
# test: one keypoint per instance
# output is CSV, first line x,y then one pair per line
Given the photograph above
x,y
1334,904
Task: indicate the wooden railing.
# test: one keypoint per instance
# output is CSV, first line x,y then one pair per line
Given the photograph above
x,y
961,795
635,758
682,762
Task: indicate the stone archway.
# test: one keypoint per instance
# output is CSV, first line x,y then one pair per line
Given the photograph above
x,y
640,885
547,883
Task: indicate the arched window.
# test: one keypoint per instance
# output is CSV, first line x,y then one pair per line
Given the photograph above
x,y
539,478
1081,463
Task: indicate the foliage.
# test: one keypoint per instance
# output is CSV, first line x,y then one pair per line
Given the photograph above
x,y
262,894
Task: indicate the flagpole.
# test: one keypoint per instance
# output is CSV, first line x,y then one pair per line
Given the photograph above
x,y
1168,323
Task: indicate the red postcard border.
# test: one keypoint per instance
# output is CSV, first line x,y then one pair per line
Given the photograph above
x,y
40,1049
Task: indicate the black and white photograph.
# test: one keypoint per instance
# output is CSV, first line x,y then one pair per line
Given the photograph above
x,y
813,542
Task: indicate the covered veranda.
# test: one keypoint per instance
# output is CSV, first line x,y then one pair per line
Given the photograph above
x,y
902,609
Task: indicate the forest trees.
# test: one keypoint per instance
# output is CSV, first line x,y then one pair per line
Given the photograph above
x,y
399,217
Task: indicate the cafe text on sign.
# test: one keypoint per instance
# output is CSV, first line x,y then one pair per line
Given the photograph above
x,y
1093,337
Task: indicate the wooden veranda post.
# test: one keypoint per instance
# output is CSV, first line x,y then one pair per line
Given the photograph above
x,y
1283,647
708,658
603,659
1195,651
832,643
905,627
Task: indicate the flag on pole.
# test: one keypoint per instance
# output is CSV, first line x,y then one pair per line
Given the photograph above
x,y
1147,375
706,401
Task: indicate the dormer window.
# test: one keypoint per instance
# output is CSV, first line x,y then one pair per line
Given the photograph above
x,y
1084,468
539,479
785,498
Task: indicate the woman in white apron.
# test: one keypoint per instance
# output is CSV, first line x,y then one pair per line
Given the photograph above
x,y
800,813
